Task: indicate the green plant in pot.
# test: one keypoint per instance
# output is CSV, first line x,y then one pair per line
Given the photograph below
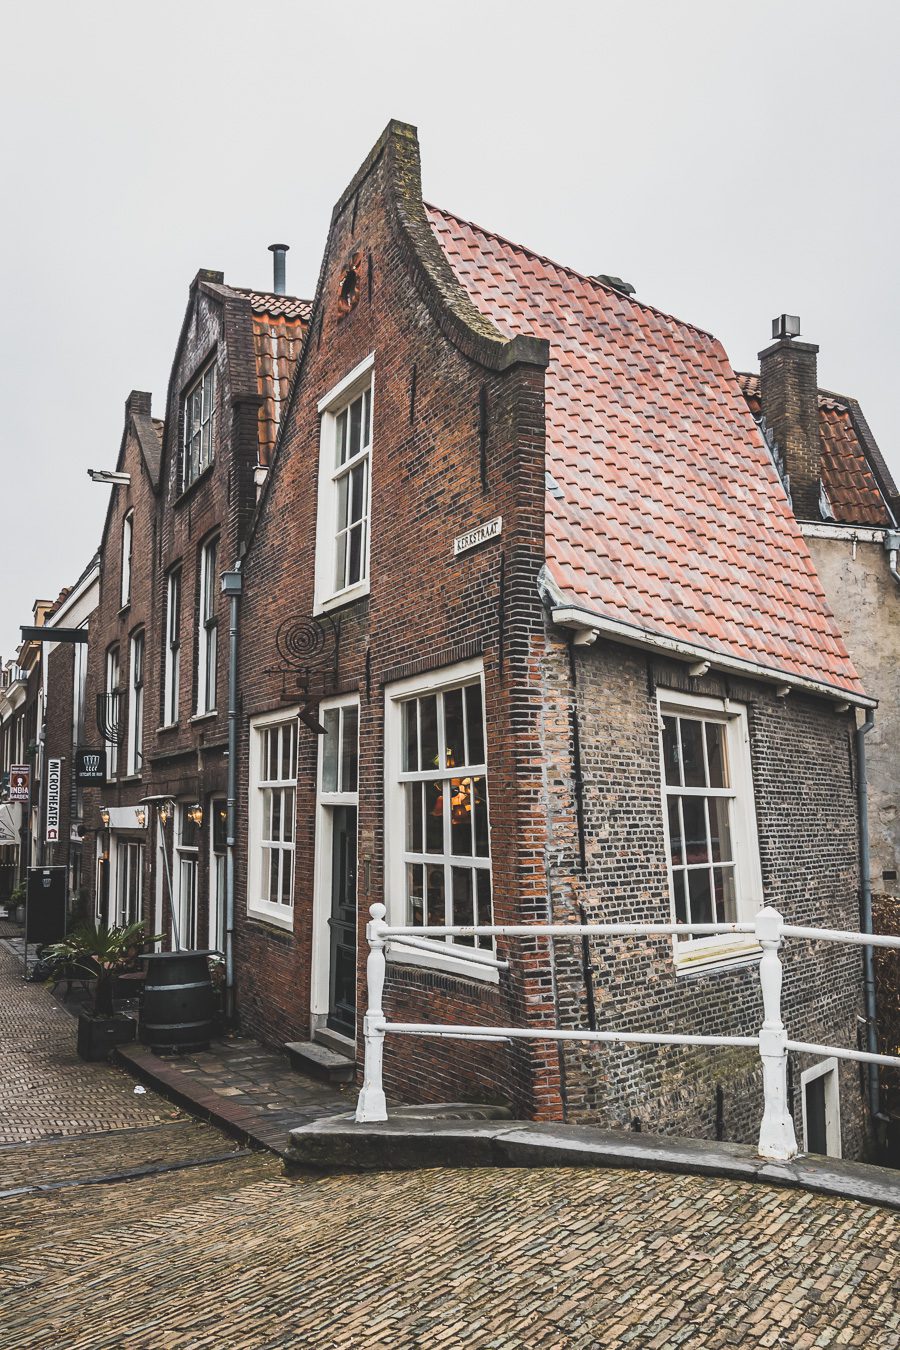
x,y
102,954
15,905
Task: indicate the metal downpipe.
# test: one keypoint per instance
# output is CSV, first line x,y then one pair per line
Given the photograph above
x,y
232,583
862,786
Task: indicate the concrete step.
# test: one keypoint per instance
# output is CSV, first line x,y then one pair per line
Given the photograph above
x,y
320,1062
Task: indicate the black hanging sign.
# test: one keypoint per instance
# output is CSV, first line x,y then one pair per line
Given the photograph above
x,y
90,766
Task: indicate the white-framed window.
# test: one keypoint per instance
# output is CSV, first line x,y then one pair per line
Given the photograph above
x,y
198,449
345,453
336,864
710,822
185,869
113,712
820,1088
136,706
207,630
172,654
128,883
218,851
437,827
272,812
127,549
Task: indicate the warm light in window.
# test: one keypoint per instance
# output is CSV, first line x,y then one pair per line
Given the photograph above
x,y
195,813
104,815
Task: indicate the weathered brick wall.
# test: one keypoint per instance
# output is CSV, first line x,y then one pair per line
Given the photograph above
x,y
426,610
802,770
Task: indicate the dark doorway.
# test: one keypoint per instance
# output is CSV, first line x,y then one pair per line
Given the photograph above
x,y
342,922
816,1131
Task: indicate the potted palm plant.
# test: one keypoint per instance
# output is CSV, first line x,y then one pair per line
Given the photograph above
x,y
102,954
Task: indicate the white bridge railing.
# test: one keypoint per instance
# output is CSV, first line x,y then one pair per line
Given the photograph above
x,y
776,1134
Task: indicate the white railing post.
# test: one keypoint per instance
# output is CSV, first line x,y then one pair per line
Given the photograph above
x,y
371,1104
776,1133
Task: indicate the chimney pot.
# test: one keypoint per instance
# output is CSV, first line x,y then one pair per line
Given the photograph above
x,y
278,251
786,326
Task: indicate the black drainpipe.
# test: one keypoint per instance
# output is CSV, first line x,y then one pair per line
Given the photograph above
x,y
862,801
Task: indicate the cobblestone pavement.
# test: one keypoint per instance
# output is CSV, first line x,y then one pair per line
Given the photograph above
x,y
234,1255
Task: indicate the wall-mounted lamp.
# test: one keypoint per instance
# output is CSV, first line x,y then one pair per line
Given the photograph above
x,y
195,813
140,816
165,810
104,816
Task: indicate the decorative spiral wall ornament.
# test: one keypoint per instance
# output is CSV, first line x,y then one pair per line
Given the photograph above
x,y
300,641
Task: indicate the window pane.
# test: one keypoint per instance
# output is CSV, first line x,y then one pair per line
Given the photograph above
x,y
435,896
715,753
414,815
484,903
355,426
410,736
273,875
350,750
680,901
367,417
463,901
355,555
276,815
475,724
453,728
694,816
357,492
692,752
415,892
287,872
330,750
287,813
341,427
670,750
479,792
434,817
701,899
343,488
429,734
726,899
271,771
720,829
287,769
676,845
461,816
340,563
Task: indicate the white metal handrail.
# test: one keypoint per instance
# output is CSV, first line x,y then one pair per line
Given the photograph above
x,y
776,1136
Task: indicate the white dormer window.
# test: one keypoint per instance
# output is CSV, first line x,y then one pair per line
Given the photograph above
x,y
342,531
127,548
198,450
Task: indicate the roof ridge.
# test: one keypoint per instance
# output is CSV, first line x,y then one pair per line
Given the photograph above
x,y
571,271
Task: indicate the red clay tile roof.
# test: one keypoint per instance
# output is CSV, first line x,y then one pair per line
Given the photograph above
x,y
847,476
664,510
279,326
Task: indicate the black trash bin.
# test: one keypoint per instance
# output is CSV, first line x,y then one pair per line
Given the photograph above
x,y
178,1004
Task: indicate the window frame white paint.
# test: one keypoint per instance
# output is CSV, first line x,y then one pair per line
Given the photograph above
x,y
330,406
207,422
719,950
207,629
134,763
119,874
217,862
113,702
172,650
827,1069
474,964
264,910
127,553
185,855
320,991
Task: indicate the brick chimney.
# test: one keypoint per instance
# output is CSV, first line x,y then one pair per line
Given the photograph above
x,y
790,405
138,403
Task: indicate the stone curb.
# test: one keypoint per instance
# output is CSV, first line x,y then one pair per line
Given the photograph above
x,y
337,1143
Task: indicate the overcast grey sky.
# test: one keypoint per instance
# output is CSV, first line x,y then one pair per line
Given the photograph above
x,y
732,160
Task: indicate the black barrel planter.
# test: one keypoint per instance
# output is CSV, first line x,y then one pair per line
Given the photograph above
x,y
178,1004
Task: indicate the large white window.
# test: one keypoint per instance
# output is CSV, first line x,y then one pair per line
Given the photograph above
x,y
199,419
128,883
172,654
273,806
710,822
127,549
207,630
136,720
112,712
342,528
185,868
437,825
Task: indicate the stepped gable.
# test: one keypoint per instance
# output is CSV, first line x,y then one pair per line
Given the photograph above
x,y
664,510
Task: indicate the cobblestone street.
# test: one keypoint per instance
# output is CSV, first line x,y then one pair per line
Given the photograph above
x,y
226,1251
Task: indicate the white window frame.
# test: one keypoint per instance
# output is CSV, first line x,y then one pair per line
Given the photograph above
x,y
280,916
327,595
172,653
828,1069
205,386
135,758
468,962
207,629
127,858
692,953
218,862
113,708
127,547
325,801
189,855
